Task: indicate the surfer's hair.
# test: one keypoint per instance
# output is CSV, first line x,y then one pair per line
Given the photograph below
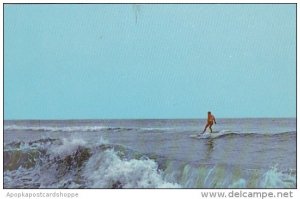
x,y
209,112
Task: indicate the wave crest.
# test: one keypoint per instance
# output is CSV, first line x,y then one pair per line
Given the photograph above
x,y
74,163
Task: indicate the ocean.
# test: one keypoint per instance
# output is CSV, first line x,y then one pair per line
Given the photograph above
x,y
250,153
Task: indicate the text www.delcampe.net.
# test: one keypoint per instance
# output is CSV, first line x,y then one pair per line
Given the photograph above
x,y
247,194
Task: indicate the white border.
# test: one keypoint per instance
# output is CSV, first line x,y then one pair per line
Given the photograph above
x,y
133,193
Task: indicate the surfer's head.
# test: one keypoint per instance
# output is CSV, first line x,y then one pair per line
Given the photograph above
x,y
208,112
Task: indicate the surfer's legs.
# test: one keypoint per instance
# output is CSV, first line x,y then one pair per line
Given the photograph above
x,y
210,128
210,125
205,128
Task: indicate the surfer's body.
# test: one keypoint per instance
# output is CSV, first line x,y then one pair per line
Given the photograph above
x,y
210,121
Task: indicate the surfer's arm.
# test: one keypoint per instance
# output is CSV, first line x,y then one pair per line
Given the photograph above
x,y
215,120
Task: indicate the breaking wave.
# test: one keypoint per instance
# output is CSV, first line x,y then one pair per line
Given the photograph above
x,y
231,134
74,163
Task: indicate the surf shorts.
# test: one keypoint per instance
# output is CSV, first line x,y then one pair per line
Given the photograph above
x,y
210,122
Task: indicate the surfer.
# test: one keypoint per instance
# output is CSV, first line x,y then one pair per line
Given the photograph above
x,y
210,121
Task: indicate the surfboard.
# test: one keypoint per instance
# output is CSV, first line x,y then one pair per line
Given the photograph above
x,y
201,136
207,135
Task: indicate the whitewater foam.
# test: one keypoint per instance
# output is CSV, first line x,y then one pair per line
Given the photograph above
x,y
67,147
108,170
275,178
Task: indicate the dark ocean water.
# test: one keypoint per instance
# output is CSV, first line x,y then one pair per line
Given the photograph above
x,y
249,153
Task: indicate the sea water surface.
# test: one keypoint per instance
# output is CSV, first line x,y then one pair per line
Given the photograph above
x,y
252,153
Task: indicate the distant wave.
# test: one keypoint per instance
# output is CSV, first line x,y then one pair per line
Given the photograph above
x,y
63,129
74,163
251,134
81,128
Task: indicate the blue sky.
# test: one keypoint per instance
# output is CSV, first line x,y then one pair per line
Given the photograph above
x,y
149,61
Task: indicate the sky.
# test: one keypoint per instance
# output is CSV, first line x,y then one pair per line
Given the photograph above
x,y
129,61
